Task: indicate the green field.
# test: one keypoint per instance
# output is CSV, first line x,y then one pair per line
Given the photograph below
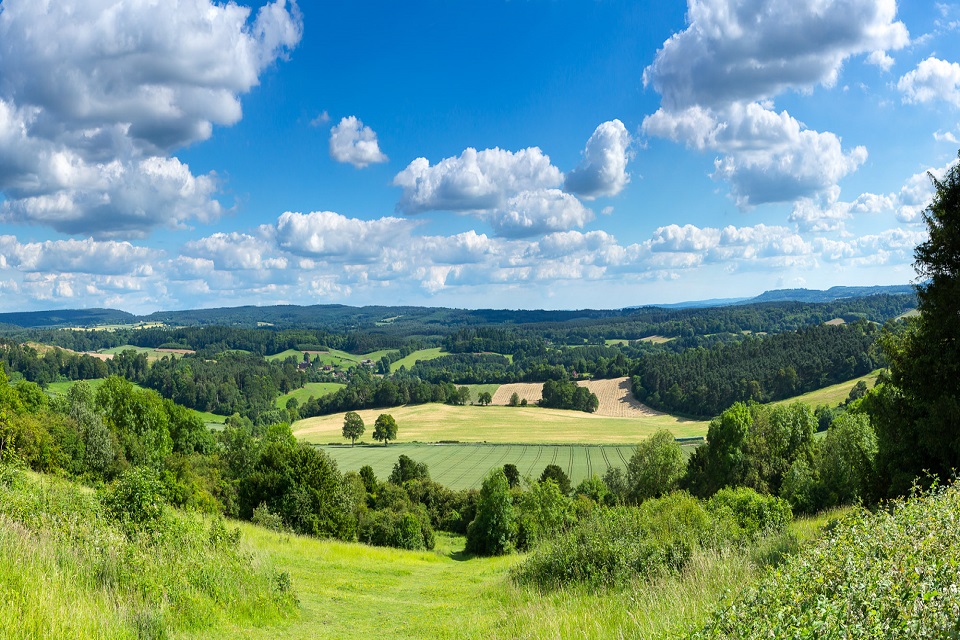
x,y
332,356
832,395
463,466
315,389
505,425
422,354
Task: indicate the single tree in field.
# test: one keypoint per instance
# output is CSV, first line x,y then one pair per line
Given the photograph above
x,y
385,428
918,429
514,399
352,426
484,398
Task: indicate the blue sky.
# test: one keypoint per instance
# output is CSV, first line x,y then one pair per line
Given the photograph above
x,y
522,154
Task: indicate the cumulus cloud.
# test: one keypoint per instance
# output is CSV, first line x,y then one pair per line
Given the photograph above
x,y
716,79
880,59
603,170
329,235
88,118
769,156
746,50
533,213
933,79
474,181
352,142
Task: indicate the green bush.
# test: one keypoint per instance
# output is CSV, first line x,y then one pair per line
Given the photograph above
x,y
891,574
749,512
613,546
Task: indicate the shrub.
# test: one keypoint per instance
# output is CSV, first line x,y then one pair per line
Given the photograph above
x,y
613,546
750,512
891,574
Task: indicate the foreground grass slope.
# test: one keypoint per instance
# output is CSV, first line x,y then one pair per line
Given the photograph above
x,y
68,570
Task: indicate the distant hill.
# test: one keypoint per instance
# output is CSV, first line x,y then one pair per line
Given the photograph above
x,y
345,319
66,318
831,294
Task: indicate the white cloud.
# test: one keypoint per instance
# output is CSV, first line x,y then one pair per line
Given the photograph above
x,y
603,170
880,59
716,80
746,50
770,157
351,142
476,181
933,79
329,235
533,213
945,136
88,117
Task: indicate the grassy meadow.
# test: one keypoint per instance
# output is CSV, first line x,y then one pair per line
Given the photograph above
x,y
497,424
832,395
315,389
422,354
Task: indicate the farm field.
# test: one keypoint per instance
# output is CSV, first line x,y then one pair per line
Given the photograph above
x,y
315,389
616,399
464,466
152,354
496,424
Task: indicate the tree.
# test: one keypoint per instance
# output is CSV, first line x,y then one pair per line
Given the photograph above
x,y
385,428
555,473
916,421
514,399
407,468
513,474
847,460
484,398
494,529
352,426
655,468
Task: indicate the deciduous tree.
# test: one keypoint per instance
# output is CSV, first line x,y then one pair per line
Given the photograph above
x,y
352,426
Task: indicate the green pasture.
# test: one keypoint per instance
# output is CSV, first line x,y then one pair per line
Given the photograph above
x,y
422,354
463,466
332,357
832,395
506,425
315,389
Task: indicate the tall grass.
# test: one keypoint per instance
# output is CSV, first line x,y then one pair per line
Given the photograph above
x,y
68,571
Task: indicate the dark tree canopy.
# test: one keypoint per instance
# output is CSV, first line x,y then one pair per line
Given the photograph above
x,y
555,473
918,420
385,428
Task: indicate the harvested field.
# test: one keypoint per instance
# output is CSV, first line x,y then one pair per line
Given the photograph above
x,y
616,400
532,391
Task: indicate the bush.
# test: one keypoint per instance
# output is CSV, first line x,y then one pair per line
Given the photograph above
x,y
891,574
399,529
136,501
613,546
749,512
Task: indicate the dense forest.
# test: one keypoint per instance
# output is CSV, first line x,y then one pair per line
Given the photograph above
x,y
702,382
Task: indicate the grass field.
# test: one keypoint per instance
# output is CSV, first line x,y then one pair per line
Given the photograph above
x,y
331,356
832,395
350,591
315,389
463,466
422,354
510,425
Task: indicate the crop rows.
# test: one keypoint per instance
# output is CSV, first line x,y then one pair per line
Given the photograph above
x,y
463,466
